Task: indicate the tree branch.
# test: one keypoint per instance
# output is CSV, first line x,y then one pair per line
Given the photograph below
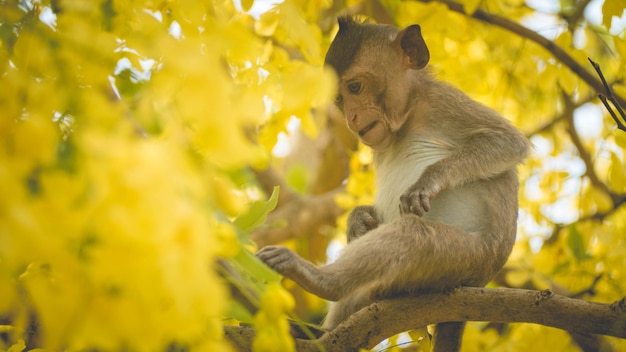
x,y
573,18
586,342
582,152
524,32
616,198
550,124
367,327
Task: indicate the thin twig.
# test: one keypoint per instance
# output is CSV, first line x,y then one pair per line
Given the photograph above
x,y
591,290
596,66
610,96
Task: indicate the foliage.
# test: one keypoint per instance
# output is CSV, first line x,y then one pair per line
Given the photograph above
x,y
132,134
126,129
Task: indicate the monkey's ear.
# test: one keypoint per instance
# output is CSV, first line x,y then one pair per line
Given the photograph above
x,y
412,44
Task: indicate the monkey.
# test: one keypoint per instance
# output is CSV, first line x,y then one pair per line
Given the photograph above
x,y
446,207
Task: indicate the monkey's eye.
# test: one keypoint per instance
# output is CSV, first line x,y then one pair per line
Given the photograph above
x,y
354,87
338,99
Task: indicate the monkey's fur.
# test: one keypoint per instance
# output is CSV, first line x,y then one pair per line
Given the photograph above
x,y
445,214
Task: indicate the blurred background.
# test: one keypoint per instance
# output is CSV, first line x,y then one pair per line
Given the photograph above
x,y
141,143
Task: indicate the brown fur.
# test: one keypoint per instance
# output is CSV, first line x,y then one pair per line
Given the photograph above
x,y
445,214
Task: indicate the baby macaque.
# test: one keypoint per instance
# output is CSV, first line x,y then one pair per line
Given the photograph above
x,y
445,213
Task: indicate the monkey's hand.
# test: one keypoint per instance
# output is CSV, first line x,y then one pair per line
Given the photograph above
x,y
281,259
416,200
361,220
305,274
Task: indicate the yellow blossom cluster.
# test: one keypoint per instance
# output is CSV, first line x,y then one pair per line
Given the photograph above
x,y
120,123
272,328
360,187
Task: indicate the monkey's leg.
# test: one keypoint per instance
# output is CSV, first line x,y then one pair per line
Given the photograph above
x,y
348,305
412,255
448,337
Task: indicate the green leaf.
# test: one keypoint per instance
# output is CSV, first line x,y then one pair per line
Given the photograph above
x,y
422,337
471,6
251,277
298,177
620,139
254,268
617,175
246,5
238,312
610,9
576,243
17,347
620,46
255,215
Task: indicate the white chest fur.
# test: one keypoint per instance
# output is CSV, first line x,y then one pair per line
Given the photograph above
x,y
401,167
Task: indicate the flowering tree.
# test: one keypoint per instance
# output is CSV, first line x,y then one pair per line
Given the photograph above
x,y
141,143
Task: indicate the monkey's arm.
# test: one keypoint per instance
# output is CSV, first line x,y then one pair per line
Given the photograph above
x,y
361,220
487,152
308,276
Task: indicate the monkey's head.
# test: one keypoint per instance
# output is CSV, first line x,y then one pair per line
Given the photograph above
x,y
376,66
